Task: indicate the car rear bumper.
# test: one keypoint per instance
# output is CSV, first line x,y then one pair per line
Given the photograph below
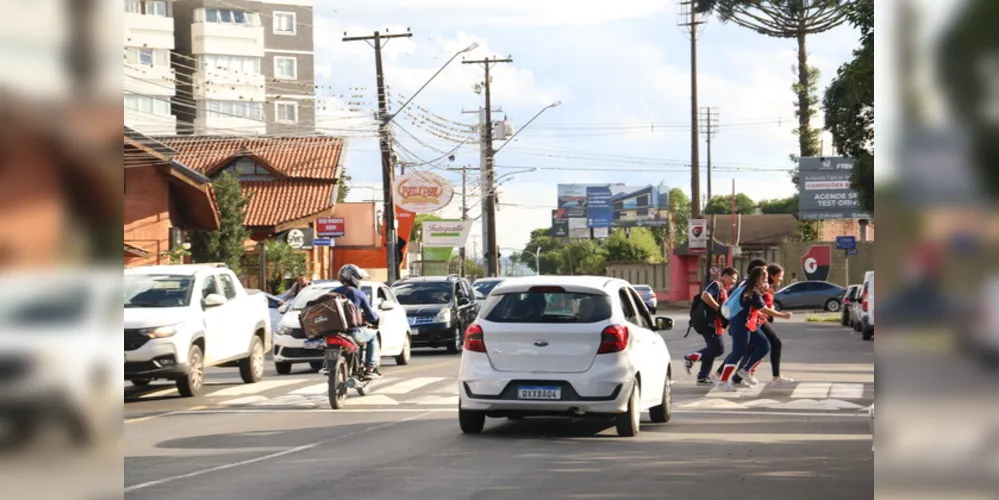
x,y
579,397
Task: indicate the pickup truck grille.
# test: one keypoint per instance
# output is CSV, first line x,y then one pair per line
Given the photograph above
x,y
134,340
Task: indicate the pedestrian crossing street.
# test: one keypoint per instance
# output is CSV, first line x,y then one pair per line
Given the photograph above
x,y
442,392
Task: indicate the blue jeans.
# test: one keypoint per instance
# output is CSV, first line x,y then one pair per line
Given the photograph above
x,y
715,347
369,336
741,340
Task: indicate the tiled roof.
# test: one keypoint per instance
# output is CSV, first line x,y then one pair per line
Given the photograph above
x,y
280,201
297,157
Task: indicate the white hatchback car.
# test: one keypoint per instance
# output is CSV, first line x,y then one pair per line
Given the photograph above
x,y
574,346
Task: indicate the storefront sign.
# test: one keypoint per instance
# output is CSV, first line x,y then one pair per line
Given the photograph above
x,y
698,237
448,234
332,227
422,192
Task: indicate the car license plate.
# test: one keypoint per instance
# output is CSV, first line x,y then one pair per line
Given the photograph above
x,y
314,344
414,331
552,393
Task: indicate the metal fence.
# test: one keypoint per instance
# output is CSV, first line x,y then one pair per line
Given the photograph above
x,y
434,268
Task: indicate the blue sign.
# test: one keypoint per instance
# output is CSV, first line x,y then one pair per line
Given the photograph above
x,y
322,242
598,206
846,242
852,251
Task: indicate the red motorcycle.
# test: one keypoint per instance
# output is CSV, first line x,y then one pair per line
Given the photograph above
x,y
344,363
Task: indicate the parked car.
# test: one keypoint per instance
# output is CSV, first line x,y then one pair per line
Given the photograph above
x,y
439,309
810,295
979,327
182,319
482,287
648,296
289,339
850,298
273,308
867,306
565,346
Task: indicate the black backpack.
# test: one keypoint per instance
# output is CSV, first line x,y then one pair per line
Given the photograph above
x,y
702,317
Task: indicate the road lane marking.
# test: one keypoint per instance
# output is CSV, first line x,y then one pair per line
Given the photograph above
x,y
409,385
812,390
847,391
279,454
749,392
247,400
157,394
193,409
372,399
435,400
242,390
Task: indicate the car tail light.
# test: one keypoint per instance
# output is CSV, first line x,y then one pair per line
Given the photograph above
x,y
614,338
473,339
864,300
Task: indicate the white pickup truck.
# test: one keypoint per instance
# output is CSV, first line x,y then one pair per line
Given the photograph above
x,y
181,319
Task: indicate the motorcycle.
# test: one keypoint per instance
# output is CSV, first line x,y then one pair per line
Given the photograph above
x,y
344,365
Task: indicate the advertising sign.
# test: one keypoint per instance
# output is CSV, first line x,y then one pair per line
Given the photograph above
x,y
446,233
422,192
331,227
560,227
816,262
298,238
698,237
614,205
824,184
578,228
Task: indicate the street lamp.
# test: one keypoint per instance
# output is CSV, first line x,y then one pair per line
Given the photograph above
x,y
546,108
470,48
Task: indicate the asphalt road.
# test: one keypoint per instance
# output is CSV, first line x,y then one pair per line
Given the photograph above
x,y
279,439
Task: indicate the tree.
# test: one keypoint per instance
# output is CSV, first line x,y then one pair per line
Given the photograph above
x,y
787,205
641,246
416,234
722,204
849,105
680,205
343,187
226,244
282,260
551,252
788,19
585,257
474,270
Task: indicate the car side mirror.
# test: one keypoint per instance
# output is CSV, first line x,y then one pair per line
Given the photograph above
x,y
386,305
463,301
213,300
663,323
283,308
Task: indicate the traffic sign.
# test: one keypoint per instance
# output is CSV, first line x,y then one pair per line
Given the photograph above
x,y
852,251
322,242
846,242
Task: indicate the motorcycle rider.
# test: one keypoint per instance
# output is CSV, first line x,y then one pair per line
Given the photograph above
x,y
351,277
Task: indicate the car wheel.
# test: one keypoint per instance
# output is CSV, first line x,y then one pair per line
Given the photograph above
x,y
844,319
778,306
629,422
664,411
191,384
251,368
316,365
337,385
832,305
141,382
856,326
471,422
868,333
403,358
457,344
282,368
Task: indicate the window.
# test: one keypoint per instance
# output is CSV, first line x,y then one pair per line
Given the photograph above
x,y
547,307
286,67
209,287
227,16
235,109
155,8
147,57
248,170
286,112
228,286
629,309
643,312
147,104
133,6
284,23
234,64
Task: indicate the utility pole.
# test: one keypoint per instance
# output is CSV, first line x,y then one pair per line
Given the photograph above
x,y
464,207
734,234
489,200
709,129
388,172
690,22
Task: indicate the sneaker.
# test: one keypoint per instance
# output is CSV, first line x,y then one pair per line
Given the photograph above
x,y
727,386
705,381
372,373
714,378
782,381
748,377
688,364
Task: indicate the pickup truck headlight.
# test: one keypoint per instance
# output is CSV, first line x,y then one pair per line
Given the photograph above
x,y
283,330
160,332
443,317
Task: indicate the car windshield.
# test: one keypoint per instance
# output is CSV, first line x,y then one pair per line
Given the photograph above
x,y
427,292
157,290
538,307
482,288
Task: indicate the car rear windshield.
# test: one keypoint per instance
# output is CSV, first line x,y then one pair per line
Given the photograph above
x,y
538,307
426,292
643,289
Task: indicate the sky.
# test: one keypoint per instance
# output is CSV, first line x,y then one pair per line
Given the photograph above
x,y
621,70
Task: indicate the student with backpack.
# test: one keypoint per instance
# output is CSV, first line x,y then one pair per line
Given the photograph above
x,y
749,269
706,319
775,274
745,328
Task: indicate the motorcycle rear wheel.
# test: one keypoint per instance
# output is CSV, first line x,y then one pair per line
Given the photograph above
x,y
338,384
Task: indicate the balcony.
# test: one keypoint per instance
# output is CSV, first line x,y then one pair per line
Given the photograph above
x,y
214,125
150,80
231,39
150,124
155,32
226,86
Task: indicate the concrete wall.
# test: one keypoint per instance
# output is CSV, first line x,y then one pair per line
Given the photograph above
x,y
654,275
791,254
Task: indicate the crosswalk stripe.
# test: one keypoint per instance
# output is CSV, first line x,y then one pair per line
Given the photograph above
x,y
312,390
371,400
448,387
435,400
847,391
409,385
749,392
811,390
243,401
242,390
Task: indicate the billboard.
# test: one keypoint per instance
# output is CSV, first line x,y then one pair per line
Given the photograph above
x,y
560,227
613,205
824,189
446,233
422,192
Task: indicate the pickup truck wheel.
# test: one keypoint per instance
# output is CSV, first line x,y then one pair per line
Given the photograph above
x,y
251,368
191,384
282,368
403,357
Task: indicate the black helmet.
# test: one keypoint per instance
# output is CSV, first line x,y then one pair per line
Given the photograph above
x,y
351,275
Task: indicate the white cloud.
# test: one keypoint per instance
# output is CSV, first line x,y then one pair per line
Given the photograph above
x,y
513,12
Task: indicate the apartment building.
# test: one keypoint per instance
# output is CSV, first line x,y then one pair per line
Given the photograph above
x,y
149,78
244,67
